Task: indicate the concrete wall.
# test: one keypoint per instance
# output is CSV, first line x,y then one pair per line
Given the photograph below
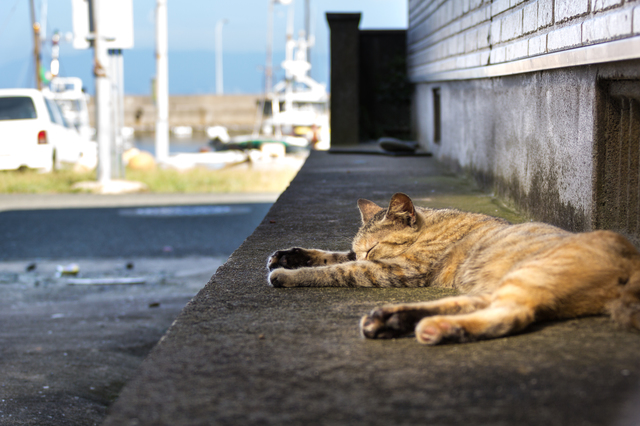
x,y
529,137
518,83
236,112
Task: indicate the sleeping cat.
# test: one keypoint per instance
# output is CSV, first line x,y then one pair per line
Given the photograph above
x,y
510,275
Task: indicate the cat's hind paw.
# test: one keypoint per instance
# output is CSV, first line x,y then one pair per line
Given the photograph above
x,y
435,330
289,259
383,324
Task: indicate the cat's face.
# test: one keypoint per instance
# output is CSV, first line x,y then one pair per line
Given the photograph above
x,y
383,238
385,233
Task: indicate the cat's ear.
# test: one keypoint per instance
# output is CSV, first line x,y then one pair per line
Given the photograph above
x,y
367,209
401,207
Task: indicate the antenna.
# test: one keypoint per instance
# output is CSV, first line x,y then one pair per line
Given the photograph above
x,y
290,23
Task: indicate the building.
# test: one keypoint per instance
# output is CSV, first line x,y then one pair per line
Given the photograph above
x,y
537,99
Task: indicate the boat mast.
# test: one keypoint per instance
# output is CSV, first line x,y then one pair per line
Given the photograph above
x,y
307,28
268,71
36,44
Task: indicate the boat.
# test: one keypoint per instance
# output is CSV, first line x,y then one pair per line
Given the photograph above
x,y
257,142
298,105
295,112
182,131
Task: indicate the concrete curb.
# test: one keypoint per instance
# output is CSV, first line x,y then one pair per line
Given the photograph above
x,y
244,353
67,201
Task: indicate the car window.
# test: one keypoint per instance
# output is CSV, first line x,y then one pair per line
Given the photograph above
x,y
17,108
64,120
68,109
54,112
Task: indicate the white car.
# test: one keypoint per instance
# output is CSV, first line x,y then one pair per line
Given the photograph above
x,y
34,134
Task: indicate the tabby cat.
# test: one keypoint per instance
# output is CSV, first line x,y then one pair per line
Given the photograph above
x,y
510,275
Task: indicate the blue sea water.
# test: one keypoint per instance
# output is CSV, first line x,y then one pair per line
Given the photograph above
x,y
190,72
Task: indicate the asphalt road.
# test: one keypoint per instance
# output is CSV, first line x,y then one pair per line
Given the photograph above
x,y
67,350
206,230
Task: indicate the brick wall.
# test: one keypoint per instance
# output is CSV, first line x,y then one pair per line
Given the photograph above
x,y
450,35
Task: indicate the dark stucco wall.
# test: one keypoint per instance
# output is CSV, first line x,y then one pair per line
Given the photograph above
x,y
532,138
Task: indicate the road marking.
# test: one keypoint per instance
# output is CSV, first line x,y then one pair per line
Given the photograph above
x,y
177,211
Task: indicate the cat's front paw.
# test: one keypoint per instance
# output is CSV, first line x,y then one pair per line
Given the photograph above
x,y
279,278
289,259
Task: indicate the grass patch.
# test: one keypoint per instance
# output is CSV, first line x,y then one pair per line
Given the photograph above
x,y
34,182
234,179
240,179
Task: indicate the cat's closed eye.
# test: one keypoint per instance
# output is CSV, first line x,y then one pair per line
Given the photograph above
x,y
396,243
366,256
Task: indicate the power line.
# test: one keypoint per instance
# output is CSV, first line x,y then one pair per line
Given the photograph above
x,y
6,22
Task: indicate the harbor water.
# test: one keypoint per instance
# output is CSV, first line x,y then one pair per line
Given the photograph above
x,y
176,145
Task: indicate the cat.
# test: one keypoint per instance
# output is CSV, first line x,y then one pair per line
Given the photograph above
x,y
509,275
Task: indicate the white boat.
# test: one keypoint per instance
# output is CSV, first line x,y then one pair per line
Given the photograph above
x,y
298,105
182,131
211,160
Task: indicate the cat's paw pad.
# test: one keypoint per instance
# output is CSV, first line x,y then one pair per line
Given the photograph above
x,y
289,259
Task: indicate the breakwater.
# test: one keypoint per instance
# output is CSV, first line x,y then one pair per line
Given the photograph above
x,y
236,112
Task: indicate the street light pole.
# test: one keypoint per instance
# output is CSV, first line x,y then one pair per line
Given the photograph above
x,y
219,80
162,82
103,95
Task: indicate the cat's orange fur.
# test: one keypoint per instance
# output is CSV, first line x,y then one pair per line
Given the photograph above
x,y
511,275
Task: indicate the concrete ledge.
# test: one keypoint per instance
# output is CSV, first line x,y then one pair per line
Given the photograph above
x,y
88,201
244,353
613,51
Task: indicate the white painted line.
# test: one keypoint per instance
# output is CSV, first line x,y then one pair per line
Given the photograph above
x,y
178,211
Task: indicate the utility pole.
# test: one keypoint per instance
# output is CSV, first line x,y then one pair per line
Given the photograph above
x,y
36,44
162,82
103,94
219,80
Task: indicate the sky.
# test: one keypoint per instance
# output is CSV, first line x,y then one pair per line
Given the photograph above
x,y
191,26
